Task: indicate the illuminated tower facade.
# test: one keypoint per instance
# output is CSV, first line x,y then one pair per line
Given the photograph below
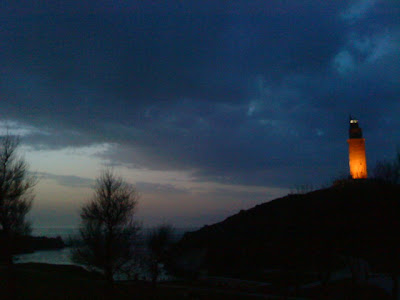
x,y
357,159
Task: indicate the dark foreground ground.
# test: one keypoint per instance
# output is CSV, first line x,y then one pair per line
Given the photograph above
x,y
44,281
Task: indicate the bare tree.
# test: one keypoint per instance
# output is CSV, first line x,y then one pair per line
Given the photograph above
x,y
108,230
302,189
388,171
16,193
158,242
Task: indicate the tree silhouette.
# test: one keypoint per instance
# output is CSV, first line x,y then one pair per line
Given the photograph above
x,y
158,243
388,171
108,230
16,194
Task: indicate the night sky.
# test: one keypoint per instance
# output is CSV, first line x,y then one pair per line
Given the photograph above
x,y
207,107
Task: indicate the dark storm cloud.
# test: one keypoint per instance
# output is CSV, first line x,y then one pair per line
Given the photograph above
x,y
164,189
247,92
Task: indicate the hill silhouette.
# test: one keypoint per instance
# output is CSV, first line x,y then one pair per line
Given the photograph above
x,y
314,231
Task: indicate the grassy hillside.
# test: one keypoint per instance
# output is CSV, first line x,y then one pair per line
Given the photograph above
x,y
351,219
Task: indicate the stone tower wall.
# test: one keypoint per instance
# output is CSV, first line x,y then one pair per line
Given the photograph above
x,y
357,158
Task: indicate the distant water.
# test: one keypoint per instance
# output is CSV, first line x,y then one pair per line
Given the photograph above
x,y
59,257
63,256
64,232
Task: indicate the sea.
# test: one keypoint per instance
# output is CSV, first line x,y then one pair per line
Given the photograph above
x,y
59,257
63,256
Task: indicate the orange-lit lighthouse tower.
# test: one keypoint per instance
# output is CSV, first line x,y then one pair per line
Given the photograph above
x,y
357,159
